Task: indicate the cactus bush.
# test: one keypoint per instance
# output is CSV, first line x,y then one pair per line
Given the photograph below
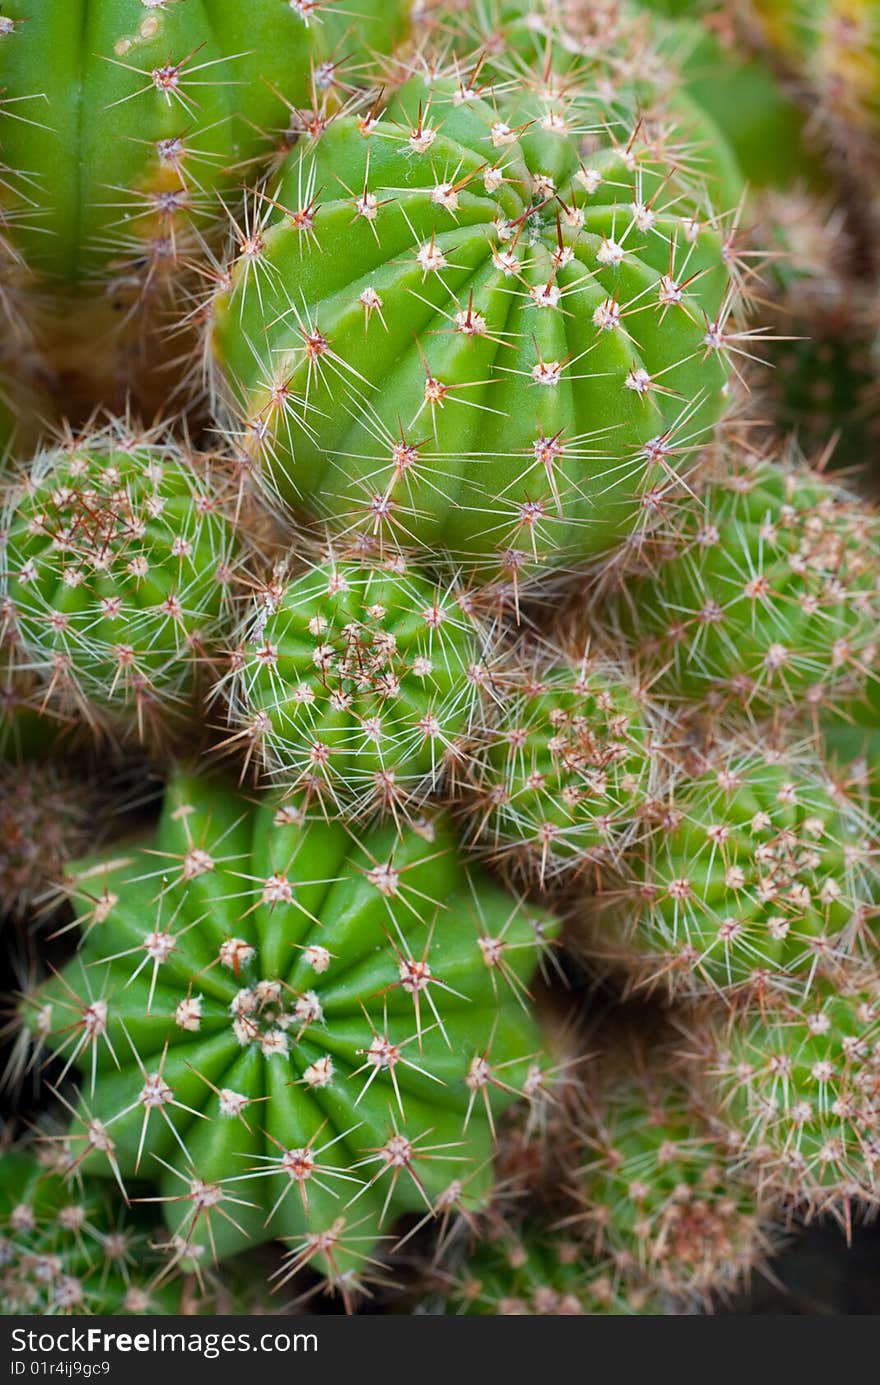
x,y
354,681
296,1032
116,564
479,319
493,682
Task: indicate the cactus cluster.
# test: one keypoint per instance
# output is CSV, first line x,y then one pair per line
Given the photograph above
x,y
439,681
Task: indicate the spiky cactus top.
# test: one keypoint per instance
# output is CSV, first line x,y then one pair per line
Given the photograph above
x,y
798,1082
295,1032
759,872
761,593
660,1189
563,773
116,562
355,680
478,320
123,117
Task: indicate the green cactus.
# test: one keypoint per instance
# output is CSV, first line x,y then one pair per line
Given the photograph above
x,y
67,1245
115,572
562,774
661,1193
761,593
296,1032
353,681
130,116
532,1272
760,872
797,1083
480,321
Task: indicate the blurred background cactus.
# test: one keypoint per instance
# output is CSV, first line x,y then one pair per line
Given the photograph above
x,y
439,670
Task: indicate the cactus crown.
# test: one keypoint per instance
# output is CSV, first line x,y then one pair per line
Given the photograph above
x,y
295,1032
356,681
115,570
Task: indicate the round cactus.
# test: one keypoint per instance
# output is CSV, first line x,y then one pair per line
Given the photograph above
x,y
764,594
480,321
68,1244
797,1082
116,562
532,1272
354,680
563,773
296,1033
759,872
660,1190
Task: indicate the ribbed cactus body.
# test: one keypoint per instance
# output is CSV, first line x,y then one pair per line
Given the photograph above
x,y
115,570
762,594
355,681
127,116
471,316
297,1033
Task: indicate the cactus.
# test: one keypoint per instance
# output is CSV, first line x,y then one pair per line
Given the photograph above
x,y
532,1272
760,594
127,127
660,1191
46,820
115,574
562,775
297,1033
354,681
68,1246
760,873
797,1082
463,331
